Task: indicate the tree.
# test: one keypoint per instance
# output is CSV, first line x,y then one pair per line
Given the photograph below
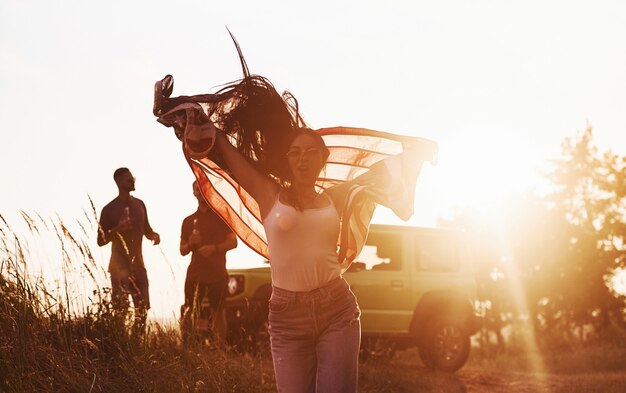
x,y
589,196
549,256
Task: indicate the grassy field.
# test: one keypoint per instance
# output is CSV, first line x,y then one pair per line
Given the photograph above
x,y
97,353
49,344
160,364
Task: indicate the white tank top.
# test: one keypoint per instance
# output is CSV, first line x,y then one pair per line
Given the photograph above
x,y
303,246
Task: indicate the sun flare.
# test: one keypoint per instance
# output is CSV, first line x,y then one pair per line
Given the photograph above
x,y
618,281
478,169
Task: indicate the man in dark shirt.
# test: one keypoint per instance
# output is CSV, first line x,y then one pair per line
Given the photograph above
x,y
207,237
124,223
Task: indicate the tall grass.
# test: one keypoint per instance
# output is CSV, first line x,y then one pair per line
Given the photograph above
x,y
55,339
66,337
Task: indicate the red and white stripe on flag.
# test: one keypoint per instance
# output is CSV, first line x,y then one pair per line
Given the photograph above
x,y
353,151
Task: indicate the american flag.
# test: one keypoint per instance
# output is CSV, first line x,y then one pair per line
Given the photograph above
x,y
387,166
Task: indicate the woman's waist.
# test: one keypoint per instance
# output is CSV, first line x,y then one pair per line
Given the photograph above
x,y
304,258
304,274
331,286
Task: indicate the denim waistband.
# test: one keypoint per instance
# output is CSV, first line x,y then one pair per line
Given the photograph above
x,y
334,285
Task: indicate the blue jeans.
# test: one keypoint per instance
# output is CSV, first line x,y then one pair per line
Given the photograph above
x,y
315,338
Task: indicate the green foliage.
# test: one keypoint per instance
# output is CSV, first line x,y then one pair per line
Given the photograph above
x,y
588,204
547,259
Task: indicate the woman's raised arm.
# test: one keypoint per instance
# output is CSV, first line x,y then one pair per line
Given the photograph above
x,y
262,189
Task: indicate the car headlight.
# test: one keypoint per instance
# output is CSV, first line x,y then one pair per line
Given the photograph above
x,y
235,285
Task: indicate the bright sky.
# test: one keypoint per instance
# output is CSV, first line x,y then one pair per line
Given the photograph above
x,y
498,84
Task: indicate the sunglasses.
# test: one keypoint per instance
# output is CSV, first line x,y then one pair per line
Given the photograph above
x,y
308,154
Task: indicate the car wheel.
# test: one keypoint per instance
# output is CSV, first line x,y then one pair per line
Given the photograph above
x,y
447,345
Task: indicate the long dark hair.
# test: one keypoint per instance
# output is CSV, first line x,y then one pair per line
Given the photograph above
x,y
260,122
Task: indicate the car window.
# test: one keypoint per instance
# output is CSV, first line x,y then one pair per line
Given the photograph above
x,y
381,252
437,252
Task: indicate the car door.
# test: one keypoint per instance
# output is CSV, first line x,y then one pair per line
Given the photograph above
x,y
380,279
437,261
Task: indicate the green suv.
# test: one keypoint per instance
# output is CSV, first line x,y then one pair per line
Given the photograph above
x,y
415,287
